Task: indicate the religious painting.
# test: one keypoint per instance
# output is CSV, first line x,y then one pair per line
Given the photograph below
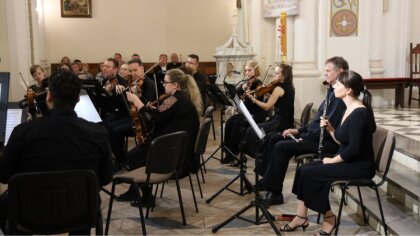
x,y
76,8
273,8
344,17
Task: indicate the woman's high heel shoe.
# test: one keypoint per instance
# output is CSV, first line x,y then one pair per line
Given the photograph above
x,y
304,225
322,232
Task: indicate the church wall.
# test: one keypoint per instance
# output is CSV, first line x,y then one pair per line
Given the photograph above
x,y
142,26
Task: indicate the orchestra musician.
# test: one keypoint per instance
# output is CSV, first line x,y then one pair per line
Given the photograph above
x,y
282,99
39,88
278,150
354,159
174,64
177,112
236,125
119,124
159,72
60,141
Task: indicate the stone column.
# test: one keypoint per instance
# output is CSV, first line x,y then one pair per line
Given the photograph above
x,y
376,68
19,46
304,59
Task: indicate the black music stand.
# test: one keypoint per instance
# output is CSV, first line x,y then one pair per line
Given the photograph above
x,y
258,202
225,101
240,107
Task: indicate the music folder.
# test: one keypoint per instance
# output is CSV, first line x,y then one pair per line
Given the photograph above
x,y
85,108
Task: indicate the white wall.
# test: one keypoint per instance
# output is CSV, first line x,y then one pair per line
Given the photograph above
x,y
415,19
4,42
147,27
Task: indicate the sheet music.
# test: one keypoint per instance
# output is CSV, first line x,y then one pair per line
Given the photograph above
x,y
86,110
242,108
14,118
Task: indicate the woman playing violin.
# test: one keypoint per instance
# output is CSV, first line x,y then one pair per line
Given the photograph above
x,y
282,99
178,112
236,125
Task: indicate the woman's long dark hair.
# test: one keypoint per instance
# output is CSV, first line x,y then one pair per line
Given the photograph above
x,y
354,81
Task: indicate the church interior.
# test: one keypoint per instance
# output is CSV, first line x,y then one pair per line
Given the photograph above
x,y
378,38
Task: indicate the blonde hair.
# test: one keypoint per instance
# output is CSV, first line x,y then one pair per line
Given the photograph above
x,y
188,86
253,65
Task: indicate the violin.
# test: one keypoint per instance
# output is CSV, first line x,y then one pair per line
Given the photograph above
x,y
261,91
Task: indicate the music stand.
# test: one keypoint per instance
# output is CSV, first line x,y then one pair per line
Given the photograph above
x,y
258,202
240,107
225,101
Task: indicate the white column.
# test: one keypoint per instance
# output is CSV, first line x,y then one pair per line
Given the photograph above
x,y
304,59
19,46
304,55
376,68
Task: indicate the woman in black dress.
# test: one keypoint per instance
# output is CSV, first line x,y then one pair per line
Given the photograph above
x,y
178,112
282,100
355,157
236,125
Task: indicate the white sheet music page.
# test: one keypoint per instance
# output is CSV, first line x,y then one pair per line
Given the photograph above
x,y
242,108
86,110
14,118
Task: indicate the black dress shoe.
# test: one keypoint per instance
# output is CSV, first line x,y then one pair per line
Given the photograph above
x,y
273,199
128,196
146,201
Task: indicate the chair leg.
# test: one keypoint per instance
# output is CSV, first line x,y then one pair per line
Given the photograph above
x,y
143,225
361,203
193,193
343,194
318,218
99,224
203,164
410,93
111,201
212,126
181,205
202,174
161,190
199,185
381,210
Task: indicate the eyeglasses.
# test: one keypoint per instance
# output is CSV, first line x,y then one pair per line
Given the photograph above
x,y
167,82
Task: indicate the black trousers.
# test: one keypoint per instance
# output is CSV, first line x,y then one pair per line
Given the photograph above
x,y
277,154
235,128
119,126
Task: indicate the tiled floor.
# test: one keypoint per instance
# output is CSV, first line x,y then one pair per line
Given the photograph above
x,y
166,218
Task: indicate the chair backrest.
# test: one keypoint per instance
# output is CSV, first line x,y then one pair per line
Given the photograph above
x,y
209,112
53,202
306,114
202,137
383,147
166,152
414,61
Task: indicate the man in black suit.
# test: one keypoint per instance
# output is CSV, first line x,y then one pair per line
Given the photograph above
x,y
60,141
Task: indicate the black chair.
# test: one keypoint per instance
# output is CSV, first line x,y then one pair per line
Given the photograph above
x,y
165,155
200,148
414,72
54,202
305,116
209,114
383,146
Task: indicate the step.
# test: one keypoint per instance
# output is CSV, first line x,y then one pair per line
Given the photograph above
x,y
400,219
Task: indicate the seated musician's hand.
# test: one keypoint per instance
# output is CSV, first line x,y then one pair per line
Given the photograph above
x,y
325,123
119,89
150,105
108,88
134,99
327,160
290,131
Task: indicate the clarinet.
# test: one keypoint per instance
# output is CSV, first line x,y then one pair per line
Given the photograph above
x,y
321,134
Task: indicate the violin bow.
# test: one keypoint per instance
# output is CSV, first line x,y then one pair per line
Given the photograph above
x,y
266,73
